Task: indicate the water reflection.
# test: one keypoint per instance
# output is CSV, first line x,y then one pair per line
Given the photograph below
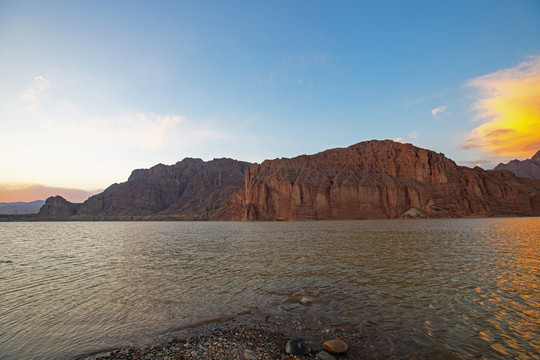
x,y
511,295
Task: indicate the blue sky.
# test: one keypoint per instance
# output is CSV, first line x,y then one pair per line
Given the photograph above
x,y
94,89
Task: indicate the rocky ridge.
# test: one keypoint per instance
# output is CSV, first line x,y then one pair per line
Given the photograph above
x,y
192,189
368,180
377,180
529,168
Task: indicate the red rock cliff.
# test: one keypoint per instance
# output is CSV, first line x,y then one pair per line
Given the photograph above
x,y
377,180
190,189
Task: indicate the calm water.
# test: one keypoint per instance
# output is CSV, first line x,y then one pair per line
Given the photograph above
x,y
453,288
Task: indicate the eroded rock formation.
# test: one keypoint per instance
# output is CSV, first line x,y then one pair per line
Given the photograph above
x,y
191,189
58,207
377,180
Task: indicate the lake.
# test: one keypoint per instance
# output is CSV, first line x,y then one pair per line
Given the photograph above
x,y
450,288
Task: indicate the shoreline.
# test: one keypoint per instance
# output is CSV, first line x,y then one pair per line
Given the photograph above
x,y
249,337
32,218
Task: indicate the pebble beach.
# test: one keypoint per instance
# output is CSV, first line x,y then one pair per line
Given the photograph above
x,y
246,339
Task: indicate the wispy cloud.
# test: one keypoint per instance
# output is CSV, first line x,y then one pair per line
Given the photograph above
x,y
29,192
35,91
410,138
436,113
508,104
146,131
149,131
427,98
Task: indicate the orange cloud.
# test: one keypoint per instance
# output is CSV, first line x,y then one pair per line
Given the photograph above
x,y
509,104
31,192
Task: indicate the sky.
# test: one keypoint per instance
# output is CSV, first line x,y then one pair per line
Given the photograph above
x,y
91,90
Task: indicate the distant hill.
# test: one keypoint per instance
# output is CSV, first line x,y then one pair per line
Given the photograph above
x,y
529,168
18,208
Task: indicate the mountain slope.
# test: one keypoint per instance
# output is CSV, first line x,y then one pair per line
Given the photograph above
x,y
377,179
190,189
529,168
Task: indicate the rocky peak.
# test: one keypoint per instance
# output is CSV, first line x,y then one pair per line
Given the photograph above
x,y
57,206
536,157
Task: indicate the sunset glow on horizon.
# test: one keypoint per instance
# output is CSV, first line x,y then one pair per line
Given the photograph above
x,y
32,192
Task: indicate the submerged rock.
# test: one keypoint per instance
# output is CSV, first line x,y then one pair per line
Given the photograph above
x,y
297,347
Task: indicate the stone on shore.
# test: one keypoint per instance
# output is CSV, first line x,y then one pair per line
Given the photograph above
x,y
297,347
336,346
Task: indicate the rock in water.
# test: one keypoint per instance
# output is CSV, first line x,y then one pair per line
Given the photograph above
x,y
336,346
297,347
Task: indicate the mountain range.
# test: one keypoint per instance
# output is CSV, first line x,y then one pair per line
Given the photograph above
x,y
368,180
529,168
19,207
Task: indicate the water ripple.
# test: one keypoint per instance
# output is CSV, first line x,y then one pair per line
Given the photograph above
x,y
449,288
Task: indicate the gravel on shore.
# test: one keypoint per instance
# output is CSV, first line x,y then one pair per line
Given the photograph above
x,y
259,340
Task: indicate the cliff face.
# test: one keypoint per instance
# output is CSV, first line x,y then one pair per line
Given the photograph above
x,y
58,207
529,168
377,180
191,189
